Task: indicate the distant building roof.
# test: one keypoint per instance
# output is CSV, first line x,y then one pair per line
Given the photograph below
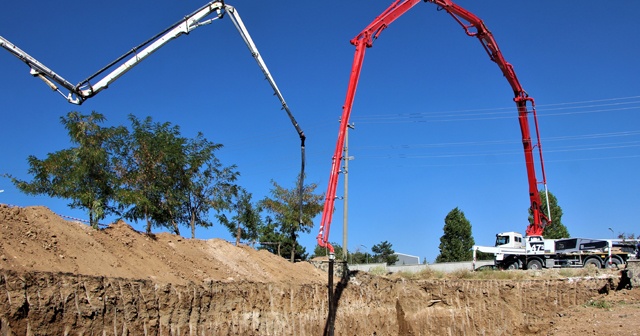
x,y
406,259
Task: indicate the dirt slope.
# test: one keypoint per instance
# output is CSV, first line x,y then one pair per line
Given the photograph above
x,y
59,277
36,239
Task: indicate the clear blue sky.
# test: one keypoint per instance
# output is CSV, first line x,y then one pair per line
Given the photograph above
x,y
436,127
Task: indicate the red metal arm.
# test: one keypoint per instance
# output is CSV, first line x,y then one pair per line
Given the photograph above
x,y
475,27
361,42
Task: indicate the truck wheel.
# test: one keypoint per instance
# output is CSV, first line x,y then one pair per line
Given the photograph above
x,y
534,264
615,262
512,266
592,261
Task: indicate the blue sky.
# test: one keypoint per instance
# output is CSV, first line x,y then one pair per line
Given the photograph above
x,y
435,124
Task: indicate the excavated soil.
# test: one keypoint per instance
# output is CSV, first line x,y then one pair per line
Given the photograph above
x,y
63,278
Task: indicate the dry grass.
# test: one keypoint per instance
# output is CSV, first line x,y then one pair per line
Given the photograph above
x,y
426,273
561,273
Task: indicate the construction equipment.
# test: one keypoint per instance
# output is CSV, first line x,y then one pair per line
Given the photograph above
x,y
513,251
473,27
77,94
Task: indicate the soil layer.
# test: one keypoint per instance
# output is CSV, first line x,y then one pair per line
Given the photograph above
x,y
63,278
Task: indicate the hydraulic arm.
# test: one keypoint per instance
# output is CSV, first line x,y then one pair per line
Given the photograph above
x,y
77,94
473,27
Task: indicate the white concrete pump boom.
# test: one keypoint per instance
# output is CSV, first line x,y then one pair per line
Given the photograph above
x,y
85,89
77,94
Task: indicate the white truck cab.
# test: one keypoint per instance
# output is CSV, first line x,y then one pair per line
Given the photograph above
x,y
528,244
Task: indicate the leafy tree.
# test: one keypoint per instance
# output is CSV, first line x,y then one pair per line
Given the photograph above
x,y
246,221
285,207
456,242
358,257
149,162
168,180
556,229
83,173
269,237
384,252
208,185
276,242
320,251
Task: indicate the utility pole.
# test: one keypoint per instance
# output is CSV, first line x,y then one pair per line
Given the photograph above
x,y
345,170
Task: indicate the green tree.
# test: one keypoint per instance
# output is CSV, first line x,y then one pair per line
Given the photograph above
x,y
269,237
285,207
83,173
384,252
149,164
246,221
168,180
277,242
556,229
360,257
456,242
208,185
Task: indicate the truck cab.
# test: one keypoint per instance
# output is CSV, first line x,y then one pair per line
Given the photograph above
x,y
509,239
528,244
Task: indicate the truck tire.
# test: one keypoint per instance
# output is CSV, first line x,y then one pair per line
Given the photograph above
x,y
534,264
593,261
512,266
615,262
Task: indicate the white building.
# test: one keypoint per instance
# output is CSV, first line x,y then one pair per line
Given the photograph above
x,y
406,259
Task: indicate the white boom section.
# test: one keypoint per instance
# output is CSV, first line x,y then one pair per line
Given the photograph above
x,y
83,90
237,21
37,68
190,23
78,93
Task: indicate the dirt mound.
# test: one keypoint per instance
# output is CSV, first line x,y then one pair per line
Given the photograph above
x,y
60,277
36,239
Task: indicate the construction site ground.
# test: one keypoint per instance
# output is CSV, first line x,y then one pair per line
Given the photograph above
x,y
62,277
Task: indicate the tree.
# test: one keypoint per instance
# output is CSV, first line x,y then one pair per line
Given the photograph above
x,y
210,185
384,252
84,173
246,221
360,257
556,229
277,242
269,237
149,164
168,180
285,207
456,242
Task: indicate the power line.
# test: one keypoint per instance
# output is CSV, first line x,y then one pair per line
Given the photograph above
x,y
496,142
500,112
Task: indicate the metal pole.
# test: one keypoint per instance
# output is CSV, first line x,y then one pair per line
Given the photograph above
x,y
331,317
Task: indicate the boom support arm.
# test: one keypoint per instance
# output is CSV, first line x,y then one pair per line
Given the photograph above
x,y
474,27
77,94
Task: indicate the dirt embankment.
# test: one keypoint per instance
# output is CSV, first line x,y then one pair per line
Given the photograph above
x,y
63,278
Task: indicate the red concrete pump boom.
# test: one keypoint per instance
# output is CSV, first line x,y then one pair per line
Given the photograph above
x,y
474,27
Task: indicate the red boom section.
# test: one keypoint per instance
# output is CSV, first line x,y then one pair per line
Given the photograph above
x,y
474,27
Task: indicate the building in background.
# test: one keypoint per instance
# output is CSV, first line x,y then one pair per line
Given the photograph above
x,y
406,259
